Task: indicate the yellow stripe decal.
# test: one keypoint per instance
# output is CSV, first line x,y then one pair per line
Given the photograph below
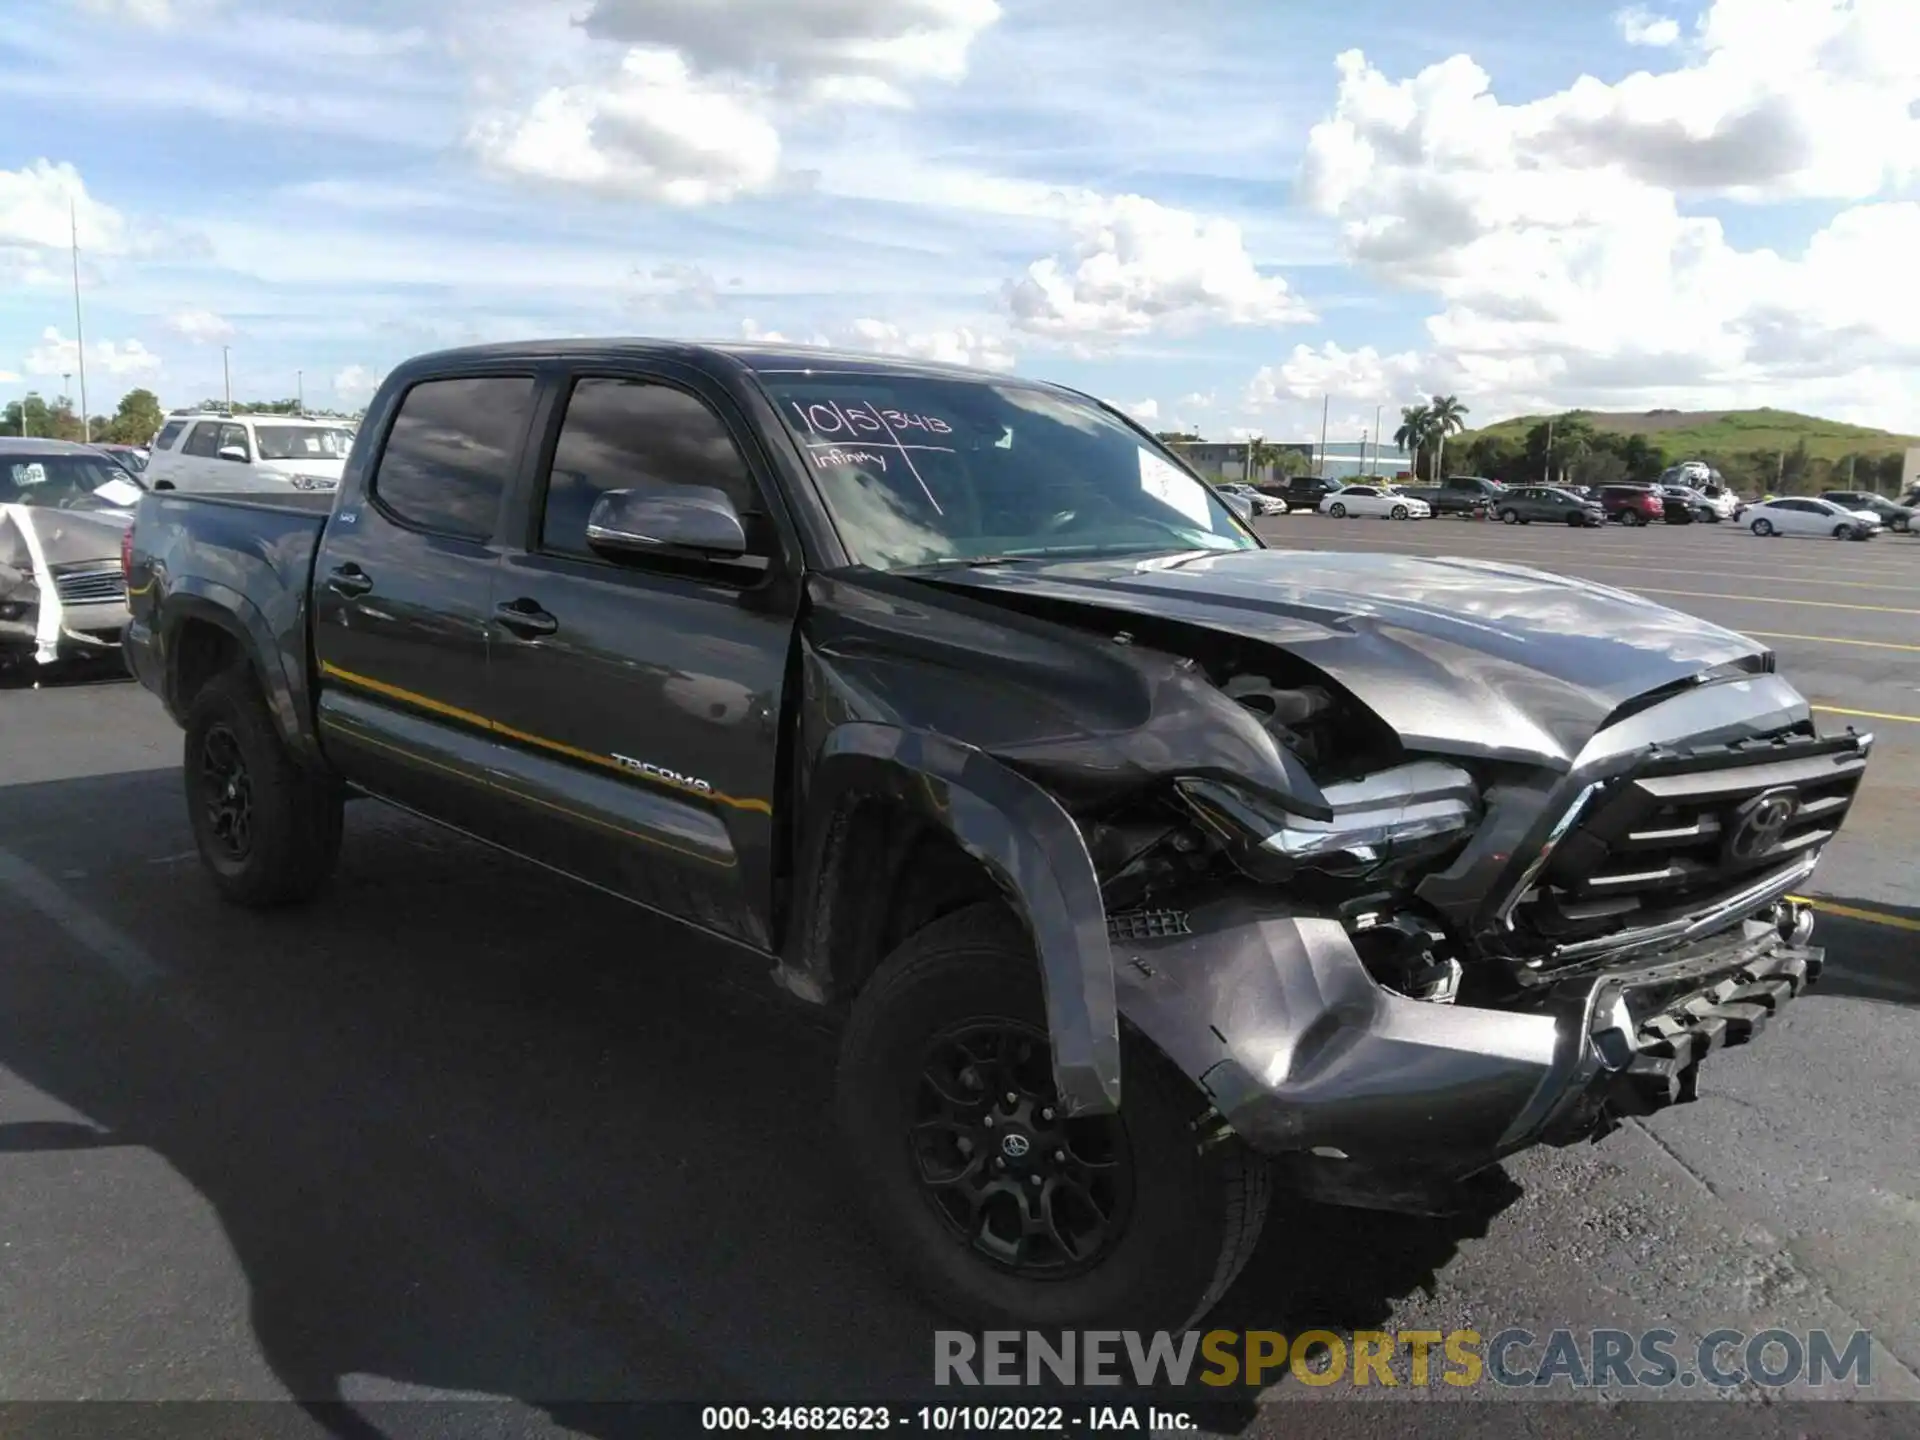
x,y
1854,912
413,757
1868,714
605,762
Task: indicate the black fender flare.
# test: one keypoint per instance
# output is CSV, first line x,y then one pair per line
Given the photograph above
x,y
226,609
1029,844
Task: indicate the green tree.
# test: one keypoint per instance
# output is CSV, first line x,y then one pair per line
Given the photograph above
x,y
1168,437
1288,462
1446,416
1498,457
135,421
28,416
1599,467
1416,430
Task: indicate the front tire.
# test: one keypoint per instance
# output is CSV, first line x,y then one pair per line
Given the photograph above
x,y
1762,528
1130,1221
1337,511
268,831
1509,517
1843,532
1399,512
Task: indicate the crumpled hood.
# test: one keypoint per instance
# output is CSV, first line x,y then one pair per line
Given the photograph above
x,y
1457,655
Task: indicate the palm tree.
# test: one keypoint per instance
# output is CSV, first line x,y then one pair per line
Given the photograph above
x,y
1448,417
1260,455
1416,428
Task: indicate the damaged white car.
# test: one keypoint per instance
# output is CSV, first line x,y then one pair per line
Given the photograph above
x,y
64,509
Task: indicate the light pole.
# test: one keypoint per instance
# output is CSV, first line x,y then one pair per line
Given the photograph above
x,y
226,378
1374,469
79,330
66,386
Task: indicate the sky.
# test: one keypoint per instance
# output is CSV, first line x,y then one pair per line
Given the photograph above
x,y
1222,214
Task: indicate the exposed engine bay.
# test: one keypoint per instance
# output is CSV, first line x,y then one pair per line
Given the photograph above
x,y
1393,816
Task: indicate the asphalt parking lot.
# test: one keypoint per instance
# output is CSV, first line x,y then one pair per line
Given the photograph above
x,y
465,1130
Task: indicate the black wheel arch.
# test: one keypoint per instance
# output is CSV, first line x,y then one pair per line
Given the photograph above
x,y
971,829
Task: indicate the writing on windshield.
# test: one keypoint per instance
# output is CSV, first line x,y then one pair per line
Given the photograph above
x,y
917,469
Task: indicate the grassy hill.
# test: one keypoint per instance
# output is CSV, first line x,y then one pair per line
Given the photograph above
x,y
1687,434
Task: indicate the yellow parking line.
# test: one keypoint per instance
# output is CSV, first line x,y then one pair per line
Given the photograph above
x,y
1829,640
1854,912
1771,600
1868,714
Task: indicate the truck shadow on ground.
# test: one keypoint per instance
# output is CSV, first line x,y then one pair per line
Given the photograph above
x,y
471,1128
1867,960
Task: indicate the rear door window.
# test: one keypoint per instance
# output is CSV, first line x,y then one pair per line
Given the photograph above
x,y
452,451
204,441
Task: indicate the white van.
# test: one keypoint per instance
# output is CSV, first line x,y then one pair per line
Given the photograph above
x,y
205,451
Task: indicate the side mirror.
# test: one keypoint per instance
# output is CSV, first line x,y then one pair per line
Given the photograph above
x,y
232,452
625,524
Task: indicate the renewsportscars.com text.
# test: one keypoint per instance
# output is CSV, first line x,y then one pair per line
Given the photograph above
x,y
1577,1359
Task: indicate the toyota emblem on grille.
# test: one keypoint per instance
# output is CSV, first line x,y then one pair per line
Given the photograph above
x,y
1759,824
1015,1145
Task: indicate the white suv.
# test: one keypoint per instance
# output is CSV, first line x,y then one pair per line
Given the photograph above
x,y
248,452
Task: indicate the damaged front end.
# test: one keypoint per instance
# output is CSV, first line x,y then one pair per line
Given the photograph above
x,y
1390,955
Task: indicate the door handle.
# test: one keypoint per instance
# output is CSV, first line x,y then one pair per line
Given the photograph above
x,y
349,580
525,618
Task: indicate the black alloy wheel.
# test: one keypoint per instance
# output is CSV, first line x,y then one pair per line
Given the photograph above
x,y
226,791
1040,1195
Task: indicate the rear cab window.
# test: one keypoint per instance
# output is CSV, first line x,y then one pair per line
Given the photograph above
x,y
451,453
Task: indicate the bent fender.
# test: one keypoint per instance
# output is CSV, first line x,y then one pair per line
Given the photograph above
x,y
1036,853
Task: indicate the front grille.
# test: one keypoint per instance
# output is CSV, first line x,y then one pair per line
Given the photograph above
x,y
87,587
1686,840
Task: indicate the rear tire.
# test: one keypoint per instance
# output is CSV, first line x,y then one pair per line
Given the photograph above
x,y
1184,1219
268,830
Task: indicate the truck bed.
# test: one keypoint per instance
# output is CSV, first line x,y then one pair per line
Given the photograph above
x,y
246,555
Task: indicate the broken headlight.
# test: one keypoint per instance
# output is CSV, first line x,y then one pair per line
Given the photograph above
x,y
1404,813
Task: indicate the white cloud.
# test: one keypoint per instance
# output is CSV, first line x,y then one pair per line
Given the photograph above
x,y
203,327
655,131
960,346
838,50
7,377
354,385
153,13
1138,267
1362,374
1145,411
1554,234
1640,26
35,213
692,114
57,355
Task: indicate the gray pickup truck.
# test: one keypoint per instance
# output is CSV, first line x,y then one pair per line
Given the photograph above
x,y
1468,495
1145,866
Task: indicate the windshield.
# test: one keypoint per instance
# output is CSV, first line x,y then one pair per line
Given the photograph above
x,y
66,482
916,470
302,442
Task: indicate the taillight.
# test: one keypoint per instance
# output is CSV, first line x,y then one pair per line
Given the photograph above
x,y
126,555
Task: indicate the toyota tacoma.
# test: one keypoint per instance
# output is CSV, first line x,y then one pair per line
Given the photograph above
x,y
1145,867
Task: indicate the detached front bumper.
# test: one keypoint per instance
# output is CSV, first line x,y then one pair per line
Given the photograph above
x,y
1367,1097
